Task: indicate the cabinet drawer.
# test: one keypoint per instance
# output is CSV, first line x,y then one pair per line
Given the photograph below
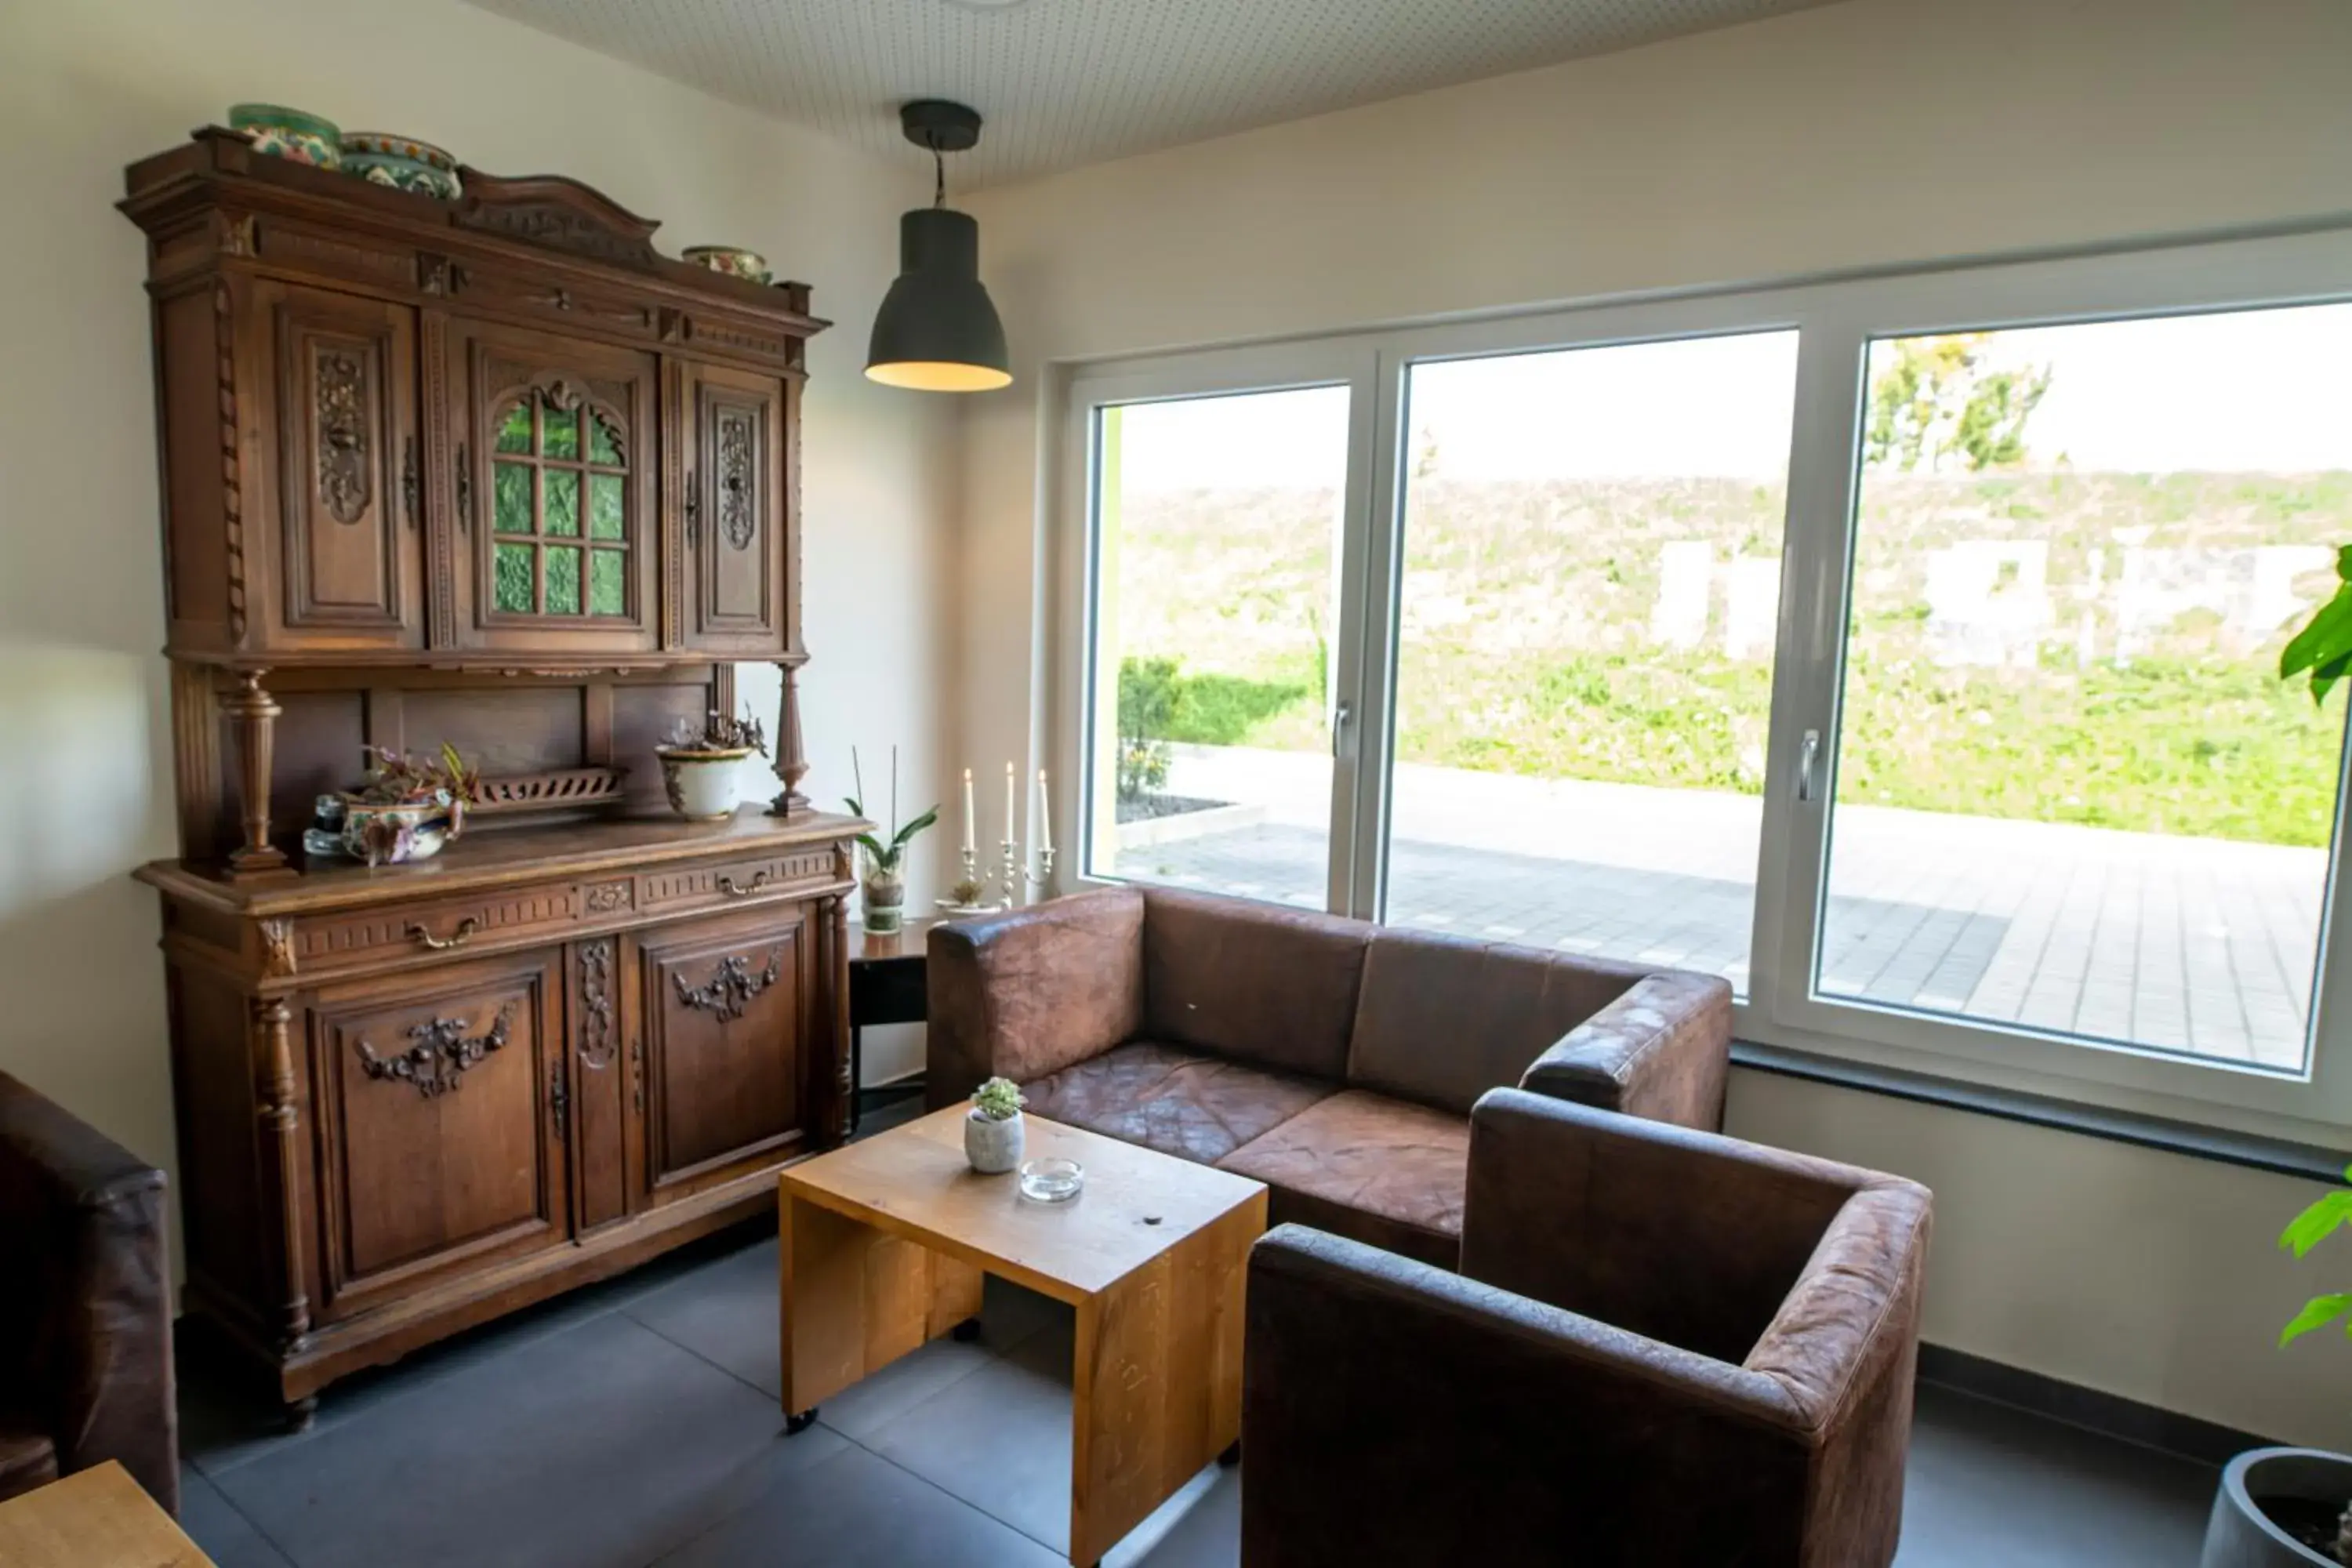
x,y
328,942
559,305
719,884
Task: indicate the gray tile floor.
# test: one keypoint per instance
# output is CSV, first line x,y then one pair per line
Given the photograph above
x,y
636,1424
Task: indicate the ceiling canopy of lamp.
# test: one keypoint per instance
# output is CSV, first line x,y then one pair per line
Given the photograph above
x,y
937,330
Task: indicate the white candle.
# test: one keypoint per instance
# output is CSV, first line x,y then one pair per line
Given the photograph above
x,y
967,809
1009,835
1045,814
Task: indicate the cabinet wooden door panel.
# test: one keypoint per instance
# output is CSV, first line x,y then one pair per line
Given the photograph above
x,y
441,1112
737,478
342,392
726,1009
552,462
606,1092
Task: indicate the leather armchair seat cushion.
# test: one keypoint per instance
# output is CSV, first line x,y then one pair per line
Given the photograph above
x,y
1383,1172
1256,983
28,1460
1445,1019
1178,1101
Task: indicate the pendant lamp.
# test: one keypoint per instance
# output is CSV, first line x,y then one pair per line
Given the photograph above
x,y
937,330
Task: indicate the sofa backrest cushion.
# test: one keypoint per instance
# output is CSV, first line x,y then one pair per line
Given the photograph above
x,y
1257,983
1444,1019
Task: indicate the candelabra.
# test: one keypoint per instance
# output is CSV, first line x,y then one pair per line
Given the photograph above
x,y
1014,881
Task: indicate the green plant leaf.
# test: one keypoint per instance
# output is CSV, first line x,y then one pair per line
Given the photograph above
x,y
908,831
854,809
2324,646
2316,1222
2317,1313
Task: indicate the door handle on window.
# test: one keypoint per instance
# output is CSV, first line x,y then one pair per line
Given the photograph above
x,y
1342,715
1806,755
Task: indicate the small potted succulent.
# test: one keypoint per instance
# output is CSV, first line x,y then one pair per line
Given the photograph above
x,y
407,807
698,767
884,881
993,1136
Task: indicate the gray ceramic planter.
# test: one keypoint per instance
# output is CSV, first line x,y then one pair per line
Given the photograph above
x,y
2239,1536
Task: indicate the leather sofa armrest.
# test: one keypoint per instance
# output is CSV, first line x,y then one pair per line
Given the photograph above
x,y
1030,992
82,1244
1393,1412
1662,1051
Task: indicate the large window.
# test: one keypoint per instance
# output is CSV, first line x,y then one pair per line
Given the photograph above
x,y
1590,577
1903,649
2072,792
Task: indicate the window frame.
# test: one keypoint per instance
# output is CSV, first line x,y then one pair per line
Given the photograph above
x,y
1836,316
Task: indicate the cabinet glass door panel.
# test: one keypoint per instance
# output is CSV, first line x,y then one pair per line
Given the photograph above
x,y
555,493
1216,534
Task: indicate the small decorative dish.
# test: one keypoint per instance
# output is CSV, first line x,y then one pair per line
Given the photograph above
x,y
293,134
1050,1179
401,163
734,261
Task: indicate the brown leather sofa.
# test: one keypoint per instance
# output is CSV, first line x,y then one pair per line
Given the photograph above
x,y
1664,1349
1333,1060
85,1308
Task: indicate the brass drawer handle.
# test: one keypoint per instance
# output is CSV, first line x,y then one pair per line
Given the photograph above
x,y
734,889
458,938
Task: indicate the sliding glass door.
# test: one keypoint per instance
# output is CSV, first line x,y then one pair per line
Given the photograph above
x,y
1589,587
1903,649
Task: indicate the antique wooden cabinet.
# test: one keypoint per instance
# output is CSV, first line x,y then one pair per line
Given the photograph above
x,y
493,473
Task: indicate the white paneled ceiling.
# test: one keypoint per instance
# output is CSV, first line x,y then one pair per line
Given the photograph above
x,y
1063,82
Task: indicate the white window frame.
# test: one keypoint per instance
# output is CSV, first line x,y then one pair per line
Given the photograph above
x,y
1836,318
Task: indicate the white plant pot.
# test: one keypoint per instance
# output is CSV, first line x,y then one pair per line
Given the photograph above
x,y
2239,1535
701,784
994,1147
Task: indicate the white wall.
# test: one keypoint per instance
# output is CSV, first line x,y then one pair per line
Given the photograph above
x,y
1872,131
85,771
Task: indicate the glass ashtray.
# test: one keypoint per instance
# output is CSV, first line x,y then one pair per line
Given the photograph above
x,y
1052,1179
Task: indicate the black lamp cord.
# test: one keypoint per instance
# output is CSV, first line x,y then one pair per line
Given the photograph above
x,y
940,168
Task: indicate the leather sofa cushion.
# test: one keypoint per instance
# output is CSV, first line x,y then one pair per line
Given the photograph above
x,y
28,1460
1444,1019
1376,1170
1177,1101
1257,983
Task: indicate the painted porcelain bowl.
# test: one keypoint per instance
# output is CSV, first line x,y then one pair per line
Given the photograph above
x,y
748,265
395,835
289,133
701,780
401,163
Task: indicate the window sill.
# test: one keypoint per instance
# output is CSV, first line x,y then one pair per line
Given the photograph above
x,y
2276,1155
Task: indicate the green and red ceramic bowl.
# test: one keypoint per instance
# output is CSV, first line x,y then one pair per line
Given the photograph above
x,y
733,260
293,134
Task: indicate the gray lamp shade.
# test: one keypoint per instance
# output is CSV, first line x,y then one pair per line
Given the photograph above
x,y
937,330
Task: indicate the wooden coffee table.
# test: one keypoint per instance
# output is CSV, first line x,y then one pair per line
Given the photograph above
x,y
886,1242
97,1517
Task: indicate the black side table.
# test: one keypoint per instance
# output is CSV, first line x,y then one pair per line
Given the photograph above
x,y
886,985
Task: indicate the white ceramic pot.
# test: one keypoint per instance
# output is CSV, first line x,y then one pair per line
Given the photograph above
x,y
2239,1535
994,1147
702,783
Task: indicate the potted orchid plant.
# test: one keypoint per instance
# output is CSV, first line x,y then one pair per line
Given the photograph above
x,y
884,879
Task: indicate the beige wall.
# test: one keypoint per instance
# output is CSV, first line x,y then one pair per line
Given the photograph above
x,y
84,768
1871,131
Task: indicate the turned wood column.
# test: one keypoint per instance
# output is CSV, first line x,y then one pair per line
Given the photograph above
x,y
279,1110
255,714
791,763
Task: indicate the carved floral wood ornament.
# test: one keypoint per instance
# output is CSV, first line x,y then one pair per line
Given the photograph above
x,y
343,435
731,985
442,1055
735,480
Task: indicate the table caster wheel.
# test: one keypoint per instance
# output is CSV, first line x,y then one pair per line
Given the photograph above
x,y
966,1331
796,1424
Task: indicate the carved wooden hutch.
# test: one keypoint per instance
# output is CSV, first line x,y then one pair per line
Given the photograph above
x,y
495,473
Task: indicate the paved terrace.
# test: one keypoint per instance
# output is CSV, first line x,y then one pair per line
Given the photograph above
x,y
2190,944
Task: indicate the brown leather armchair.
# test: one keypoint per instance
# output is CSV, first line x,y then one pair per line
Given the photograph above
x,y
1665,1348
85,1304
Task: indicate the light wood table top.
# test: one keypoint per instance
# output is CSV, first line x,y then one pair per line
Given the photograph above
x,y
913,1180
97,1517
